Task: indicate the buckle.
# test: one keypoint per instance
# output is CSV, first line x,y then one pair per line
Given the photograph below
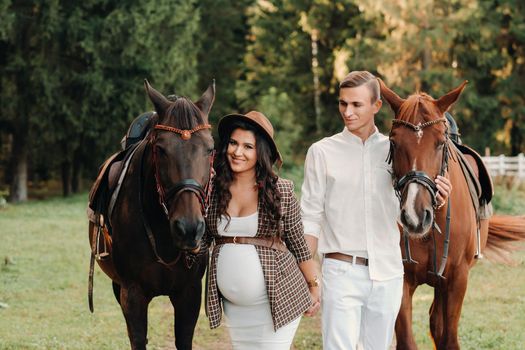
x,y
234,239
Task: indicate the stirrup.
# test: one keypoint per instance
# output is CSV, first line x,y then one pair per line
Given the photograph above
x,y
478,254
101,255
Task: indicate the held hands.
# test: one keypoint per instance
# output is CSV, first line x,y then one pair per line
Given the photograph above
x,y
444,188
315,294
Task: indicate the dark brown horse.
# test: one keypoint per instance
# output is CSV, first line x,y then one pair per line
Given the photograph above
x,y
158,218
420,151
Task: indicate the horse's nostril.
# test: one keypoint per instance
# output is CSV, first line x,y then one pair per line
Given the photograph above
x,y
201,226
402,215
180,225
192,228
427,217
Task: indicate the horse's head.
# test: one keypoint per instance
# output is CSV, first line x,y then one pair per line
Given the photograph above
x,y
182,157
419,152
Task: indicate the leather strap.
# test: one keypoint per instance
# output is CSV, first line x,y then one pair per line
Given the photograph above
x,y
348,258
268,242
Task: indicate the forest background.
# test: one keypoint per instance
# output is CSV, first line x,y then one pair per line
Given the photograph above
x,y
71,72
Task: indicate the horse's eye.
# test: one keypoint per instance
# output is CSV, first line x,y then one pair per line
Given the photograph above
x,y
209,151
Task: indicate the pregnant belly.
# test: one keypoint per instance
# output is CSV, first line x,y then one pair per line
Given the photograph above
x,y
239,275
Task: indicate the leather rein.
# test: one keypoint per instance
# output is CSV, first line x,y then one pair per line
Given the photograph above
x,y
422,178
185,185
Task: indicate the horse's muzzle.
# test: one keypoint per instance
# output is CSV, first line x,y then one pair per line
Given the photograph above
x,y
186,234
417,225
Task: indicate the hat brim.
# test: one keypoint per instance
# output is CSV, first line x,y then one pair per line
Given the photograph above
x,y
225,125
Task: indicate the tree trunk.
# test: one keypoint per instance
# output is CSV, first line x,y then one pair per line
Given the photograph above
x,y
317,88
19,153
426,54
77,170
516,139
66,178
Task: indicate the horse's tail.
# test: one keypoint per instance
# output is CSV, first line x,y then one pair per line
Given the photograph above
x,y
504,232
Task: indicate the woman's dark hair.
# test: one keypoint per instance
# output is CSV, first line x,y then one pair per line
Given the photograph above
x,y
266,179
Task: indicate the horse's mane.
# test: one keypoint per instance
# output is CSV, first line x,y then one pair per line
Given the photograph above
x,y
418,108
183,114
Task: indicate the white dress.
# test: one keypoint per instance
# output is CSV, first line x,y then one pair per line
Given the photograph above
x,y
240,280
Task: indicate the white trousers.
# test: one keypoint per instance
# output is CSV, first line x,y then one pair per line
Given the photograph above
x,y
357,312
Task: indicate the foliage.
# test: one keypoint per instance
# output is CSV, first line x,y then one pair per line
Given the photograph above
x,y
222,34
276,62
279,109
74,73
71,71
490,52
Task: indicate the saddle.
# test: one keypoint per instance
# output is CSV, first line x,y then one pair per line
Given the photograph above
x,y
106,188
478,180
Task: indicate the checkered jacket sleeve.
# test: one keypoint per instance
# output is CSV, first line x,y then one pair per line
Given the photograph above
x,y
286,287
293,231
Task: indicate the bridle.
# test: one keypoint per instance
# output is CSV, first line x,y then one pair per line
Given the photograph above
x,y
422,178
185,185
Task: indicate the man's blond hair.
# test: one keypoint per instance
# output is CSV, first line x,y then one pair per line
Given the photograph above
x,y
358,78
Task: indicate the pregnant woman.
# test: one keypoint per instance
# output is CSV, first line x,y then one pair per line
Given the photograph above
x,y
261,270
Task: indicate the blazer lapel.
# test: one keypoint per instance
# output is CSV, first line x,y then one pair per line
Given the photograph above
x,y
212,214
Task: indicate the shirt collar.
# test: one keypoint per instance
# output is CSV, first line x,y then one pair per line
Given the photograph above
x,y
354,138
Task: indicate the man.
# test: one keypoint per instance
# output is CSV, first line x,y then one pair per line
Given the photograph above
x,y
350,215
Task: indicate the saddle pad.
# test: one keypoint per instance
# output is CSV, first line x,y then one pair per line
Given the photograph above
x,y
101,197
487,188
469,174
100,183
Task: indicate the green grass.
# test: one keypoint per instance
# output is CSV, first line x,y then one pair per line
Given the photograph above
x,y
44,257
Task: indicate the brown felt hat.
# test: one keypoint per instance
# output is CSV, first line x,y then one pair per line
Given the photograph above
x,y
260,122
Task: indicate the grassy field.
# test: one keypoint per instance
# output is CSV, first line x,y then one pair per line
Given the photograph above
x,y
44,257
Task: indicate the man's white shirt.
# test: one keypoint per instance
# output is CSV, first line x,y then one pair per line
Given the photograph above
x,y
348,201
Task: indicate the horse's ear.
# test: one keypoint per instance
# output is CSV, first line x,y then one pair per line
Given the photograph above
x,y
447,100
160,102
390,96
206,100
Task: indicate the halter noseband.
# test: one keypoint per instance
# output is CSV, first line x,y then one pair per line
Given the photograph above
x,y
420,177
185,185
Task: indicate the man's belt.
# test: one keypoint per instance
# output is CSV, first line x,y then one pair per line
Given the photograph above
x,y
348,258
268,242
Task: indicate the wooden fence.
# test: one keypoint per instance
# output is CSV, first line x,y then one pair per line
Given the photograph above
x,y
506,166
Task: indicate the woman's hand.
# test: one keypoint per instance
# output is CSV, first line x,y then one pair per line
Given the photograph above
x,y
444,188
315,295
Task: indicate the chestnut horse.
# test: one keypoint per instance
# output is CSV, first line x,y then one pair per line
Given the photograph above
x,y
421,150
158,218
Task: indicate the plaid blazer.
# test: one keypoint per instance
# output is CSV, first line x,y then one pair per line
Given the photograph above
x,y
286,287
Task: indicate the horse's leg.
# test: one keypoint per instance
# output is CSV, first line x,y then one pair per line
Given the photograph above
x,y
134,305
186,306
436,316
455,293
404,336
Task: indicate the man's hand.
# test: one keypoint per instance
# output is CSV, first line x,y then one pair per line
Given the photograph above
x,y
315,294
444,188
